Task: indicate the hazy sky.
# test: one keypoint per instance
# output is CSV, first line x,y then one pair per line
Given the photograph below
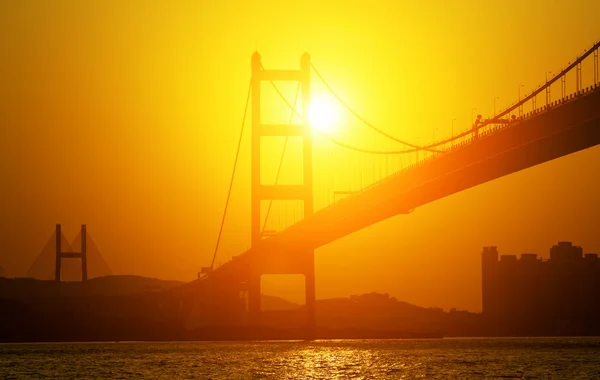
x,y
124,115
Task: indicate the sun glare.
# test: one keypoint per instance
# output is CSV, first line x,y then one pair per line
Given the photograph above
x,y
323,114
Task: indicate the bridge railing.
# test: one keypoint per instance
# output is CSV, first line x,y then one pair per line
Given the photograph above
x,y
487,131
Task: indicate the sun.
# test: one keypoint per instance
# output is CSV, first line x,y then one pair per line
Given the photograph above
x,y
323,114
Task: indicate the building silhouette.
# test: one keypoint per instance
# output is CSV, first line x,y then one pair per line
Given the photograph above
x,y
534,296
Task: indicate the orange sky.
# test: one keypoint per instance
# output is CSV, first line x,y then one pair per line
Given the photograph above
x,y
125,116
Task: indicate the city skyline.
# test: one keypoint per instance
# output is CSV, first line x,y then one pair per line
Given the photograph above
x,y
528,295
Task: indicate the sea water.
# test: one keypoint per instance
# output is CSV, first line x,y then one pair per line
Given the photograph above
x,y
529,358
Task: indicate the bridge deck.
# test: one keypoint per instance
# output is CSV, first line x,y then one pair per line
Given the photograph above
x,y
564,128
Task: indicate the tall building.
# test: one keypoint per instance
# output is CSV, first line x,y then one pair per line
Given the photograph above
x,y
534,296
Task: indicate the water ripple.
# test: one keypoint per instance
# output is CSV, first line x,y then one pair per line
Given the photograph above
x,y
577,358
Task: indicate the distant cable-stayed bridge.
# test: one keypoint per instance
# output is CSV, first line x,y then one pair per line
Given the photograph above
x,y
45,265
507,142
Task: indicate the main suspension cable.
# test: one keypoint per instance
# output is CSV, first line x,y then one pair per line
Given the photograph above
x,y
362,150
344,145
363,120
522,101
237,154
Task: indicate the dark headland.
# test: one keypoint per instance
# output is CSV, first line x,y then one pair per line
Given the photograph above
x,y
132,308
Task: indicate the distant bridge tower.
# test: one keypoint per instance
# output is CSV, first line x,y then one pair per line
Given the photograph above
x,y
71,255
303,262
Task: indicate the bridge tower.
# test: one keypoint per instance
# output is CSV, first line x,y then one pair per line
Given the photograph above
x,y
71,255
303,263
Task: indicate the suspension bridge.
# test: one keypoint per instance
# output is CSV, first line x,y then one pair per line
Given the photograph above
x,y
509,141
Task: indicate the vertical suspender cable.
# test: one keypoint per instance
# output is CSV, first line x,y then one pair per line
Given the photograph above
x,y
282,154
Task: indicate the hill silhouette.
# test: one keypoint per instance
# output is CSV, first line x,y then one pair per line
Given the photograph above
x,y
121,285
377,312
276,303
2,272
141,308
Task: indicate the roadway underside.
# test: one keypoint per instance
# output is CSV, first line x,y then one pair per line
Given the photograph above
x,y
558,131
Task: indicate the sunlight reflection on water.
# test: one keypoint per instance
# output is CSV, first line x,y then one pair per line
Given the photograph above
x,y
358,359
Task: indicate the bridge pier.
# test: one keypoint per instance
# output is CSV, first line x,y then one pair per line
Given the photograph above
x,y
303,263
278,261
254,308
310,297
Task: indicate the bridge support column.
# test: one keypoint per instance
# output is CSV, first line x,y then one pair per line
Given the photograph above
x,y
254,300
57,266
71,255
300,192
84,271
310,296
